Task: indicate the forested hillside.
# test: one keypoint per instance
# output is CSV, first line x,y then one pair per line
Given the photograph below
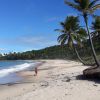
x,y
56,52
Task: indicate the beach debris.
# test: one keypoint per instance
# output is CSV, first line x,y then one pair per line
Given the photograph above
x,y
66,79
95,85
62,74
9,84
67,94
44,84
24,89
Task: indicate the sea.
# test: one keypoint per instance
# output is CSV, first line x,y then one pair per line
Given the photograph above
x,y
8,69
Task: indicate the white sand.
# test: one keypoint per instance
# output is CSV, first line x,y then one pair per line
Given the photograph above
x,y
56,80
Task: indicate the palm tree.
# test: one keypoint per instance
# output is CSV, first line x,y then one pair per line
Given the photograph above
x,y
72,34
86,7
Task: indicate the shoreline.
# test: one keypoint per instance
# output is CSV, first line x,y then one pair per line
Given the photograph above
x,y
16,77
56,80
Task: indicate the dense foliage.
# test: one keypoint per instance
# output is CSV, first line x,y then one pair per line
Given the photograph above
x,y
56,52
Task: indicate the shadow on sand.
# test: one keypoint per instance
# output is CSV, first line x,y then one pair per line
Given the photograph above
x,y
94,79
48,68
14,83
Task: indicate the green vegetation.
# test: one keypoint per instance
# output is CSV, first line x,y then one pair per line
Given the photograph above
x,y
56,52
72,34
86,7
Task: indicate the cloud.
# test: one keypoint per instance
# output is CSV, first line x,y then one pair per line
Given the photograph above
x,y
2,49
28,41
52,19
72,14
56,18
37,42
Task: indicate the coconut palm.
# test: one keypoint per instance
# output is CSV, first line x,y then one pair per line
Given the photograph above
x,y
86,7
72,34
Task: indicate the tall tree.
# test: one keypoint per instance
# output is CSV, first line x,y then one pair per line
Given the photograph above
x,y
86,7
72,34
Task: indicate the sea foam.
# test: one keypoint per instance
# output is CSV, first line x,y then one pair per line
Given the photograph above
x,y
16,68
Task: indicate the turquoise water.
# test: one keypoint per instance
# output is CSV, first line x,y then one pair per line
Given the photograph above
x,y
8,69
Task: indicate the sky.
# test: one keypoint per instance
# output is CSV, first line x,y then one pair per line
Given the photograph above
x,y
29,24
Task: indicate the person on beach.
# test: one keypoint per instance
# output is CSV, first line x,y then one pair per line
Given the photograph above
x,y
36,71
36,68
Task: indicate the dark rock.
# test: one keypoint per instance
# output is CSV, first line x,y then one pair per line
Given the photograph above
x,y
44,84
62,74
9,84
92,72
66,79
95,85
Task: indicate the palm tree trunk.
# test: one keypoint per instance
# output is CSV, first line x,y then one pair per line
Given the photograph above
x,y
77,52
91,43
79,56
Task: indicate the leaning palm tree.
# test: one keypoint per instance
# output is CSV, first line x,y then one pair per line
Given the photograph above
x,y
72,34
86,7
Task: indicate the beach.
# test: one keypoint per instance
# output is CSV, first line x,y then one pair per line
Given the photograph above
x,y
56,80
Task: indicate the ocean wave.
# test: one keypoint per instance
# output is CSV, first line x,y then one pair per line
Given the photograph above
x,y
15,68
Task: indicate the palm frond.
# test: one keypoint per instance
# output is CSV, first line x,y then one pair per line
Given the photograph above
x,y
75,6
82,32
77,1
96,23
96,7
62,24
76,39
96,26
93,3
59,30
72,23
73,36
63,41
71,32
84,4
62,38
